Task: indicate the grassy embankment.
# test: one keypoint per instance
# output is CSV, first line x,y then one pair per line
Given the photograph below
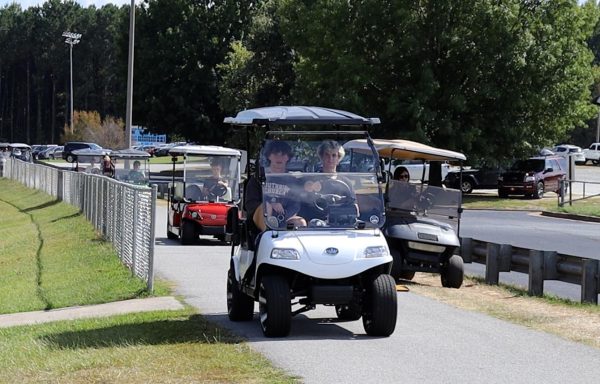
x,y
50,257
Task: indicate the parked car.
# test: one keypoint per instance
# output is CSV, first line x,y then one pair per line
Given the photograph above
x,y
71,146
533,177
484,177
38,150
592,153
566,150
54,152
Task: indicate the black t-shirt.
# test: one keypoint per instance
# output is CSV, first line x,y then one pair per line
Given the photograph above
x,y
277,189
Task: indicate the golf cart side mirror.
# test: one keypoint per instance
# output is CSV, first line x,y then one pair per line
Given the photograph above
x,y
232,228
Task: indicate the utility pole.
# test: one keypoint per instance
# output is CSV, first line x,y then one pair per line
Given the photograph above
x,y
130,76
71,39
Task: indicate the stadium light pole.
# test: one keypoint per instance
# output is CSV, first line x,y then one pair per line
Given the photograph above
x,y
130,76
71,39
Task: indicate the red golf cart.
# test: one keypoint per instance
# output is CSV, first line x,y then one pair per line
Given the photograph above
x,y
204,187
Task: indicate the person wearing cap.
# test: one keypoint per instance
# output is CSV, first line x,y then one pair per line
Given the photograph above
x,y
278,190
216,185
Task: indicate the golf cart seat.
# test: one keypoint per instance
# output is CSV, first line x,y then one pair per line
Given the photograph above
x,y
193,192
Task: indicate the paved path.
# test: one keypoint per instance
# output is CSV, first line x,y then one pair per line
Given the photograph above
x,y
88,311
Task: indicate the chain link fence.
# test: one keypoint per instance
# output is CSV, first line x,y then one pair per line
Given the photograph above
x,y
122,213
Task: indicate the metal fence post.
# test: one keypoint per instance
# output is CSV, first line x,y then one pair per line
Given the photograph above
x,y
536,273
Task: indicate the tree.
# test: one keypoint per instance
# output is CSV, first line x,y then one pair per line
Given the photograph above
x,y
492,79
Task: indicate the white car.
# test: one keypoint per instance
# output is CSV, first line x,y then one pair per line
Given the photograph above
x,y
566,150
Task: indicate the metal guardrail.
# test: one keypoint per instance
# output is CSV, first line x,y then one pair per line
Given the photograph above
x,y
539,265
122,213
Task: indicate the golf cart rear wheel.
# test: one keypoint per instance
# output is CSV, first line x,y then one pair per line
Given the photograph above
x,y
380,308
453,273
188,233
240,307
275,308
348,312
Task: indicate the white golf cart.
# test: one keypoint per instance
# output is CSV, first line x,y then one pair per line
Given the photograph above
x,y
338,257
199,197
130,165
422,217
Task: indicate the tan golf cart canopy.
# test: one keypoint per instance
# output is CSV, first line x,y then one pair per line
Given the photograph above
x,y
208,150
404,149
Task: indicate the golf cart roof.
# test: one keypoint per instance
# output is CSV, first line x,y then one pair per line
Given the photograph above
x,y
404,149
290,115
91,152
19,145
129,154
213,150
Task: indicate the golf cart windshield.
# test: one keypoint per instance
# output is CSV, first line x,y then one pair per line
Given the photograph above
x,y
405,195
308,177
211,177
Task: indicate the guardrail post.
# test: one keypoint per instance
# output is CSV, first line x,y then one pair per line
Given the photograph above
x,y
492,273
505,257
466,249
536,273
550,265
589,281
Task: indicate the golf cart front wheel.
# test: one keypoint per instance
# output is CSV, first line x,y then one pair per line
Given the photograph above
x,y
275,308
188,233
381,305
240,307
453,273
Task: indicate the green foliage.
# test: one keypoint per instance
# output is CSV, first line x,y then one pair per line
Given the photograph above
x,y
491,79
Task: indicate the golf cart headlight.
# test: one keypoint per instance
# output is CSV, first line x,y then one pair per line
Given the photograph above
x,y
377,251
285,254
195,215
426,247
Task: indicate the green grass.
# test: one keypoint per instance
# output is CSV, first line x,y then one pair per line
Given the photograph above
x,y
152,347
51,257
589,207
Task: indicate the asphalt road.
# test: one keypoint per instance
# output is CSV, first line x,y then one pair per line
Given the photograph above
x,y
433,342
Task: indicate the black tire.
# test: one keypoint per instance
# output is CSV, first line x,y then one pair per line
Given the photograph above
x,y
171,235
240,307
452,274
396,271
380,308
275,307
595,162
407,275
466,186
348,312
70,158
539,190
188,233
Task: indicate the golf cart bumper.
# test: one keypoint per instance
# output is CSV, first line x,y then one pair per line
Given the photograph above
x,y
324,254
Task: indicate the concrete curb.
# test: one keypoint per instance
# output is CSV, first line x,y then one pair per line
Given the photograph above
x,y
165,303
571,216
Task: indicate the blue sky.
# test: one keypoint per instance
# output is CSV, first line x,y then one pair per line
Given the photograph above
x,y
84,3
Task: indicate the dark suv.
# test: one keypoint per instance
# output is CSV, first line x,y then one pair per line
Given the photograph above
x,y
74,145
473,178
533,177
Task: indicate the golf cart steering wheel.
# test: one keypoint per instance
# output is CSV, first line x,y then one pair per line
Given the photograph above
x,y
343,194
217,190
